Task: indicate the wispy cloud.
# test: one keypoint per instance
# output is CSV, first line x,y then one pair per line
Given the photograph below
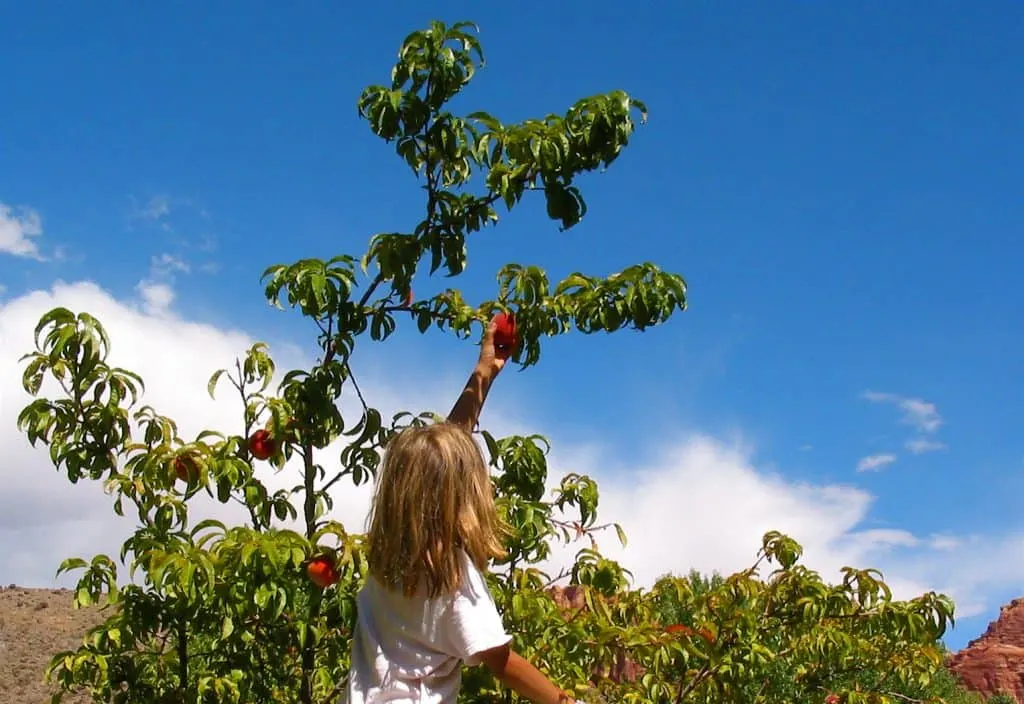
x,y
157,289
166,265
920,446
873,463
923,416
918,413
183,225
17,231
157,209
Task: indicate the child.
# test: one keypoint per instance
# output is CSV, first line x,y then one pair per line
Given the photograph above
x,y
425,607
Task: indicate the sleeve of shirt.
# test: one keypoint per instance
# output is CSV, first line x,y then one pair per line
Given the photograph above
x,y
474,625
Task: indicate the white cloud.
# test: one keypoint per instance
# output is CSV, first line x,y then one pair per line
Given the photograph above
x,y
708,495
945,542
18,230
920,414
157,289
43,518
156,298
716,505
920,446
872,463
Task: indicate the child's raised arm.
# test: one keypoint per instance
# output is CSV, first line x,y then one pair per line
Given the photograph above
x,y
466,411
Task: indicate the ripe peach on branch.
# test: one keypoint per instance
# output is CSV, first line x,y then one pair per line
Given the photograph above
x,y
262,444
506,338
186,469
322,571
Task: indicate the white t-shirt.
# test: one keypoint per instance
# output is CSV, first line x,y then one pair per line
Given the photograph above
x,y
410,650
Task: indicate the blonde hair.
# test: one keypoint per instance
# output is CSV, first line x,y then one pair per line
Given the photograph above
x,y
433,498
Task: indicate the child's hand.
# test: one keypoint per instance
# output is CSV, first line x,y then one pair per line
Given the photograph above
x,y
491,360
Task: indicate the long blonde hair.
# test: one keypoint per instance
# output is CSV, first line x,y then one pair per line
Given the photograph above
x,y
433,498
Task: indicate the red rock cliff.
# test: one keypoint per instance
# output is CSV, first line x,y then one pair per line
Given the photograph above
x,y
994,662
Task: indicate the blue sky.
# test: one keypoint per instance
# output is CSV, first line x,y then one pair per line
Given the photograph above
x,y
840,184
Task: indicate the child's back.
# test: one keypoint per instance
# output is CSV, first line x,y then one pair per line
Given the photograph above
x,y
412,648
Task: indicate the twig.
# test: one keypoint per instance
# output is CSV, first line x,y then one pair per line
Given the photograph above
x,y
574,525
333,481
902,697
355,383
336,691
694,683
561,575
377,281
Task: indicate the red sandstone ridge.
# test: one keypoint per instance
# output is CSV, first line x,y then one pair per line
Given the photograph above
x,y
994,663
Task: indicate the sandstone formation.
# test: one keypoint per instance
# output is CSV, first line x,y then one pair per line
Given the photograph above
x,y
994,663
622,668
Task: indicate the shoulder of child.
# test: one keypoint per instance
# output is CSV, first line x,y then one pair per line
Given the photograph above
x,y
473,623
474,582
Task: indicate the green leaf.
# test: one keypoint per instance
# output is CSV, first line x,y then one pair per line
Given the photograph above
x,y
72,563
212,384
621,534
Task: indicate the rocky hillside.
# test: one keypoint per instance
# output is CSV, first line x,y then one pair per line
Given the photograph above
x,y
34,625
994,663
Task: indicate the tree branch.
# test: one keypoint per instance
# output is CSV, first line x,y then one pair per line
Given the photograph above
x,y
698,679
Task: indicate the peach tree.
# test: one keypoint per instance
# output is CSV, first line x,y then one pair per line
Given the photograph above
x,y
261,608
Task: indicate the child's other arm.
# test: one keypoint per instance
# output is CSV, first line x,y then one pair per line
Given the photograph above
x,y
466,411
516,672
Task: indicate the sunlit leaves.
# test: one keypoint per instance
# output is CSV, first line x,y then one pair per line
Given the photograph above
x,y
605,577
396,255
508,159
792,635
449,151
433,65
315,287
98,581
361,454
579,491
778,547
